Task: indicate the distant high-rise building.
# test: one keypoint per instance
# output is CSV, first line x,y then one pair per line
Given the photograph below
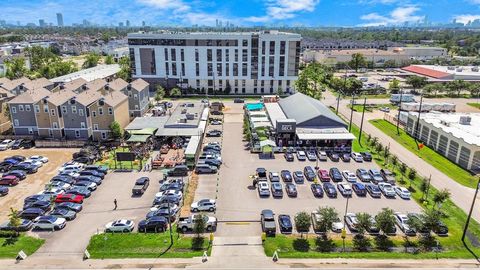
x,y
143,24
120,24
59,19
216,23
86,23
41,23
127,23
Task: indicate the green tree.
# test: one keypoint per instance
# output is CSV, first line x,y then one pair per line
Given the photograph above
x,y
403,169
175,92
441,196
314,79
159,93
394,85
352,86
14,218
91,60
302,223
15,68
116,130
434,88
358,61
457,86
416,82
280,91
385,220
124,72
199,225
412,173
228,88
474,90
40,57
394,161
379,148
328,215
364,222
390,64
423,188
386,154
109,60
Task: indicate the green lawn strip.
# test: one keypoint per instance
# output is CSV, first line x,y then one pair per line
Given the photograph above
x,y
452,247
475,105
370,108
144,245
110,162
9,247
442,164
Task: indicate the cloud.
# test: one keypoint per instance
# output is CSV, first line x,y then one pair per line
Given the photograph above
x,y
283,9
465,18
399,15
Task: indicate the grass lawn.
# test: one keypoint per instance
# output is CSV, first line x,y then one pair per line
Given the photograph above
x,y
475,105
451,246
9,248
144,245
444,165
110,160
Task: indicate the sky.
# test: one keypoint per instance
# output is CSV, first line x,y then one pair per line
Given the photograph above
x,y
242,12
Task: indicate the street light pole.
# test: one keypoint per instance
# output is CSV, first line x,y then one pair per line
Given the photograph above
x,y
170,224
399,110
361,123
344,228
418,121
470,213
351,112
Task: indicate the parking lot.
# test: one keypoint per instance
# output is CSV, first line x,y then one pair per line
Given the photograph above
x,y
34,183
239,205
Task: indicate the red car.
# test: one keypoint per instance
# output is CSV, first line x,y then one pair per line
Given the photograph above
x,y
10,180
323,175
65,197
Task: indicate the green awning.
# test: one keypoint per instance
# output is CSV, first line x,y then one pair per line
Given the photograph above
x,y
145,131
138,138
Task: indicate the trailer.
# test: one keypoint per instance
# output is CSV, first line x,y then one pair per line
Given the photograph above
x,y
395,98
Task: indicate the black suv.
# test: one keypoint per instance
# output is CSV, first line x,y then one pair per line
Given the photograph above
x,y
309,173
335,175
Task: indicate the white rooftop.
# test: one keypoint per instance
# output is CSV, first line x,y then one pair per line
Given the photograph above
x,y
90,74
455,70
450,123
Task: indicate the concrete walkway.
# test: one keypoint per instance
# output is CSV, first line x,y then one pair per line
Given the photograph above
x,y
462,196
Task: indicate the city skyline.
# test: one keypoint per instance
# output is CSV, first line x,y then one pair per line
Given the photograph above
x,y
242,13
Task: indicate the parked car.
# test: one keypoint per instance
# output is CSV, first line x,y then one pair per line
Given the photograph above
x,y
345,189
277,189
286,176
267,220
69,198
357,157
89,178
37,197
173,208
335,175
330,190
39,158
349,176
178,170
309,173
28,168
402,223
204,205
311,155
298,177
214,133
263,189
333,156
54,191
25,225
323,175
64,213
376,176
291,189
27,144
21,175
301,156
49,223
274,177
417,219
187,223
9,180
31,213
164,212
141,184
6,144
366,156
5,166
64,178
205,168
82,191
3,191
98,168
359,189
44,205
322,155
363,175
17,144
440,229
216,122
317,190
403,193
285,224
35,163
386,189
238,100
120,225
261,173
345,157
373,190
92,173
288,156
351,221
69,206
153,224
387,176
174,193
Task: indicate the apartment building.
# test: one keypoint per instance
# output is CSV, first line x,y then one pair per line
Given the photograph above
x,y
137,92
238,63
113,106
21,85
22,112
76,116
49,116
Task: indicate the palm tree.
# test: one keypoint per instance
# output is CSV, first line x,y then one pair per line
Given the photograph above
x,y
441,196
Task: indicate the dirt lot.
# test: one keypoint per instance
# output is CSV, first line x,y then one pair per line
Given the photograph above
x,y
34,183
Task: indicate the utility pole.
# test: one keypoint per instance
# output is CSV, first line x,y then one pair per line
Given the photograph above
x,y
170,224
399,110
351,112
470,213
415,134
344,229
361,123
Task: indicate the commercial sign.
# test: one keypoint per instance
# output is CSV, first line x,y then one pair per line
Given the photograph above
x,y
286,126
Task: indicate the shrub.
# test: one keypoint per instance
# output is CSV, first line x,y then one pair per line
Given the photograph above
x,y
361,242
382,242
324,243
8,234
197,242
427,242
301,244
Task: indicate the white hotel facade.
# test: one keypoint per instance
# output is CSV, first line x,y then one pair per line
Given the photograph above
x,y
249,62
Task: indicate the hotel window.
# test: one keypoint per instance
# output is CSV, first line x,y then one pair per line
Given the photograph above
x,y
100,111
36,108
244,55
235,69
82,124
80,112
282,47
197,82
20,108
236,55
196,55
210,69
167,71
15,122
52,112
166,54
27,108
219,55
244,69
183,69
110,110
174,69
197,69
14,109
174,55
236,82
209,55
219,69
227,70
272,47
95,126
245,43
74,109
45,108
182,55
227,55
263,47
243,83
64,109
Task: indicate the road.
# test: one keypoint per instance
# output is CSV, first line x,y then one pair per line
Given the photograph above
x,y
460,195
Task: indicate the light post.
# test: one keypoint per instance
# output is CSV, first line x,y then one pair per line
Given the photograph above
x,y
399,110
470,213
351,112
418,121
361,122
344,231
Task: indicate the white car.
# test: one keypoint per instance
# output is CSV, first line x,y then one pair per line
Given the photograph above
x,y
173,207
263,188
52,191
71,168
402,222
71,174
349,176
357,157
403,193
345,189
39,158
121,225
49,223
90,185
35,163
322,156
301,155
175,193
5,144
386,189
58,184
204,205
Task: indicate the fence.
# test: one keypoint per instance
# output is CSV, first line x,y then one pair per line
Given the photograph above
x,y
392,120
59,144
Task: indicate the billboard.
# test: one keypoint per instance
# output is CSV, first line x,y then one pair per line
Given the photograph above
x,y
286,126
125,156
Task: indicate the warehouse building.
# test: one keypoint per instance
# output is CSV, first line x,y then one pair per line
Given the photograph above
x,y
456,136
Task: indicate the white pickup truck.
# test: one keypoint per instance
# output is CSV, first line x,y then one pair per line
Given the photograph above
x,y
186,224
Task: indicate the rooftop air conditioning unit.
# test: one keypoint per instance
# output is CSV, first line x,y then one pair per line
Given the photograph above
x,y
475,69
445,123
451,68
190,116
465,120
184,111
